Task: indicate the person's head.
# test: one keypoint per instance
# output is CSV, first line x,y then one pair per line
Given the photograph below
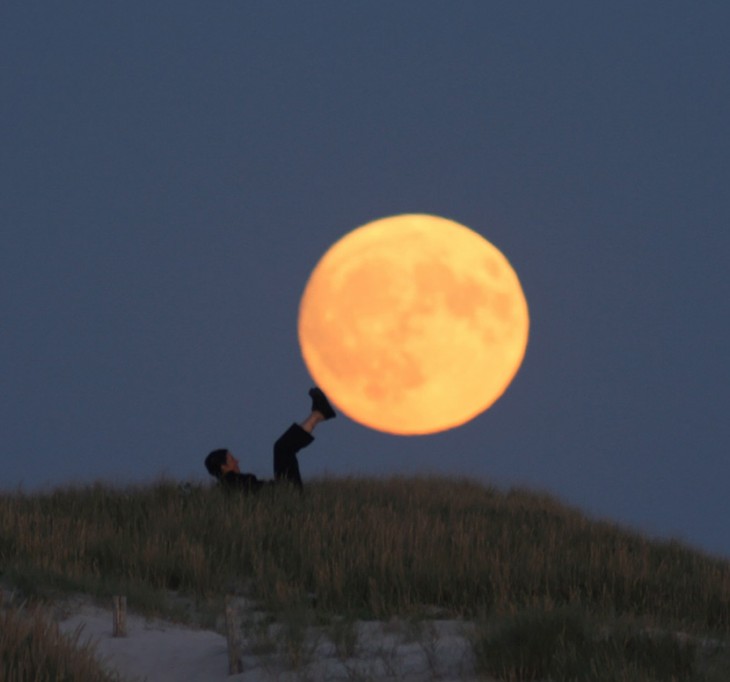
x,y
220,462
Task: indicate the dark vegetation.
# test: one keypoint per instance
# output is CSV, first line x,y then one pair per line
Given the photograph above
x,y
557,596
32,649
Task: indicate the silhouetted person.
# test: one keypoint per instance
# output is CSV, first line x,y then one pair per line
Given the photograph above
x,y
224,466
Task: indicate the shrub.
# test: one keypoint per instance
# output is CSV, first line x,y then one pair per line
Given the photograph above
x,y
32,648
565,644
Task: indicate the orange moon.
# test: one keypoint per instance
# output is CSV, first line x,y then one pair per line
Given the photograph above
x,y
413,324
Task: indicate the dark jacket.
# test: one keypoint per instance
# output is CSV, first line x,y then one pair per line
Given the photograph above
x,y
247,483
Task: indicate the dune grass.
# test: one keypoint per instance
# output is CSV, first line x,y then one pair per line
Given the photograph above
x,y
361,548
566,643
32,648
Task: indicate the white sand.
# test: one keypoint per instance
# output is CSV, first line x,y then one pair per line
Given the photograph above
x,y
160,651
155,650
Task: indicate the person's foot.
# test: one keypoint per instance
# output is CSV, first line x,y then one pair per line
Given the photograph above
x,y
321,404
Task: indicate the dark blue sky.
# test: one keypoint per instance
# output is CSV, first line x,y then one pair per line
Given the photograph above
x,y
172,171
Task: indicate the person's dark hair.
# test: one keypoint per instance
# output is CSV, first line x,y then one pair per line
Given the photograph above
x,y
215,460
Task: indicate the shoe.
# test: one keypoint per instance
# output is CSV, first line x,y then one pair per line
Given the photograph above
x,y
321,404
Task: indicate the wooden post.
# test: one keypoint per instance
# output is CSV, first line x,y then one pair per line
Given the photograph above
x,y
235,664
119,628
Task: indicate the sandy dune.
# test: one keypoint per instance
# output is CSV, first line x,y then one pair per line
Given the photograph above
x,y
160,651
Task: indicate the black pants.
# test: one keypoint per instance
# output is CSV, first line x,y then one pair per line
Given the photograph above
x,y
286,466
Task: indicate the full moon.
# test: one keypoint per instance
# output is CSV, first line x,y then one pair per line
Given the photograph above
x,y
413,324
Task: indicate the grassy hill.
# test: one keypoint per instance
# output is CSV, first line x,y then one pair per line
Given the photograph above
x,y
557,595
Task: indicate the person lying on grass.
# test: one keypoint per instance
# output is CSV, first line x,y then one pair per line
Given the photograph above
x,y
223,465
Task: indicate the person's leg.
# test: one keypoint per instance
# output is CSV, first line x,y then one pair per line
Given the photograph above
x,y
298,436
286,465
